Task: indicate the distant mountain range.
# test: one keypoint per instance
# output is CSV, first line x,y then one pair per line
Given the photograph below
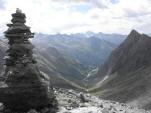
x,y
126,74
90,51
113,38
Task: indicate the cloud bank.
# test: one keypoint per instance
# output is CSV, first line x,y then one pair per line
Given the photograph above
x,y
73,16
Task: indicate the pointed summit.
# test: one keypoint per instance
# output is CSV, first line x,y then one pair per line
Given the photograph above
x,y
134,32
134,35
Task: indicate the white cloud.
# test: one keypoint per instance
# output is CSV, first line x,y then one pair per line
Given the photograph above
x,y
71,16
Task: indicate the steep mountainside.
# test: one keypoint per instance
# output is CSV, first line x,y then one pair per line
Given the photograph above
x,y
126,75
63,71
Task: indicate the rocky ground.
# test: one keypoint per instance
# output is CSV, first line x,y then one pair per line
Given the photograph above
x,y
75,102
71,101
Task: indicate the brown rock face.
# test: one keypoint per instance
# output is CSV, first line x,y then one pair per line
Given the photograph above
x,y
25,89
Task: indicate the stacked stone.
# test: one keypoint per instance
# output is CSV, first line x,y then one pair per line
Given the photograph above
x,y
25,89
20,50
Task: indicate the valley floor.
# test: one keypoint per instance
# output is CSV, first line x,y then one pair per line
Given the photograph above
x,y
71,101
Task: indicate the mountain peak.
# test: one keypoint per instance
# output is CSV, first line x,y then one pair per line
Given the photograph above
x,y
134,32
133,36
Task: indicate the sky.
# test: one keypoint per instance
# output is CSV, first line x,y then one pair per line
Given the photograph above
x,y
76,16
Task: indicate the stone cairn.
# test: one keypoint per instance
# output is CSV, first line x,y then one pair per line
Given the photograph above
x,y
25,89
